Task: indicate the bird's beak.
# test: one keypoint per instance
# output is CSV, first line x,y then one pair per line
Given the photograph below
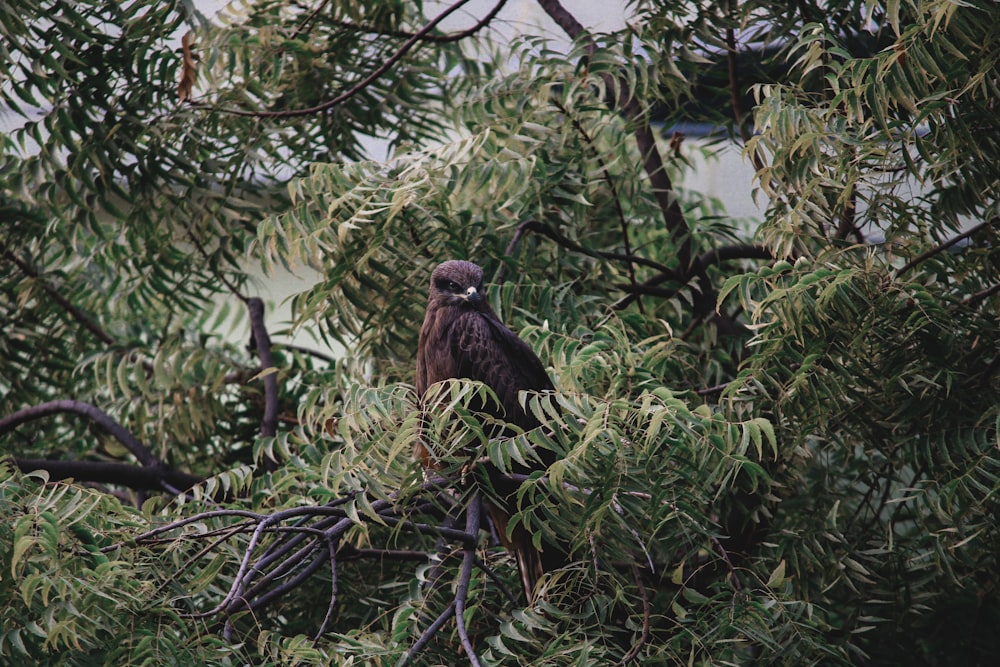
x,y
473,296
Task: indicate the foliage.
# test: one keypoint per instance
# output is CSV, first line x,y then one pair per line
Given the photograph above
x,y
778,449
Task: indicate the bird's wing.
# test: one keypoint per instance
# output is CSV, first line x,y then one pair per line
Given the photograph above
x,y
486,350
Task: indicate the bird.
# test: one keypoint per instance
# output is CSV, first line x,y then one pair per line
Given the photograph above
x,y
462,338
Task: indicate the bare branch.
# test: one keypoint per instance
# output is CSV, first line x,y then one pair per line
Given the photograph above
x,y
269,423
78,314
144,478
331,545
93,413
429,633
944,246
662,187
361,85
472,516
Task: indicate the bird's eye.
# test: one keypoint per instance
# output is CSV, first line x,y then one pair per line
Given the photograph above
x,y
452,286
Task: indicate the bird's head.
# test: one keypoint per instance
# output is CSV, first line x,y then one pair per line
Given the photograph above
x,y
458,283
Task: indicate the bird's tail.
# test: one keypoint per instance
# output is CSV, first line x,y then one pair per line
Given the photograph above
x,y
518,542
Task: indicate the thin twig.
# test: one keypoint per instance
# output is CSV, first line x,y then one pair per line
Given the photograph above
x,y
304,23
615,197
403,34
504,588
547,231
289,585
944,246
645,633
702,262
428,634
734,88
78,314
981,295
356,88
306,350
708,391
332,551
737,584
190,562
180,523
659,180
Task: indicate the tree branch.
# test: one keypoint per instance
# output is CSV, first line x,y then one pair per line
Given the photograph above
x,y
269,422
78,314
331,545
359,86
701,263
547,231
472,515
944,246
645,632
427,635
144,478
606,175
92,412
402,34
662,187
306,350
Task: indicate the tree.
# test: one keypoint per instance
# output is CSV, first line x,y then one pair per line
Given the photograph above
x,y
779,449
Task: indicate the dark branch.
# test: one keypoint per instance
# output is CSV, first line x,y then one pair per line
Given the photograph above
x,y
331,546
429,633
646,613
652,161
78,314
269,423
558,237
145,478
306,350
359,86
92,412
437,39
701,263
472,515
982,295
944,246
615,197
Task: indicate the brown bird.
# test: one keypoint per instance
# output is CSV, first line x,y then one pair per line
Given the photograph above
x,y
462,337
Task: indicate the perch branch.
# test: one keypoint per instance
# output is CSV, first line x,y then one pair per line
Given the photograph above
x,y
472,515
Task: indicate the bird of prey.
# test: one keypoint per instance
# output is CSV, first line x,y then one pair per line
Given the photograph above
x,y
462,338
